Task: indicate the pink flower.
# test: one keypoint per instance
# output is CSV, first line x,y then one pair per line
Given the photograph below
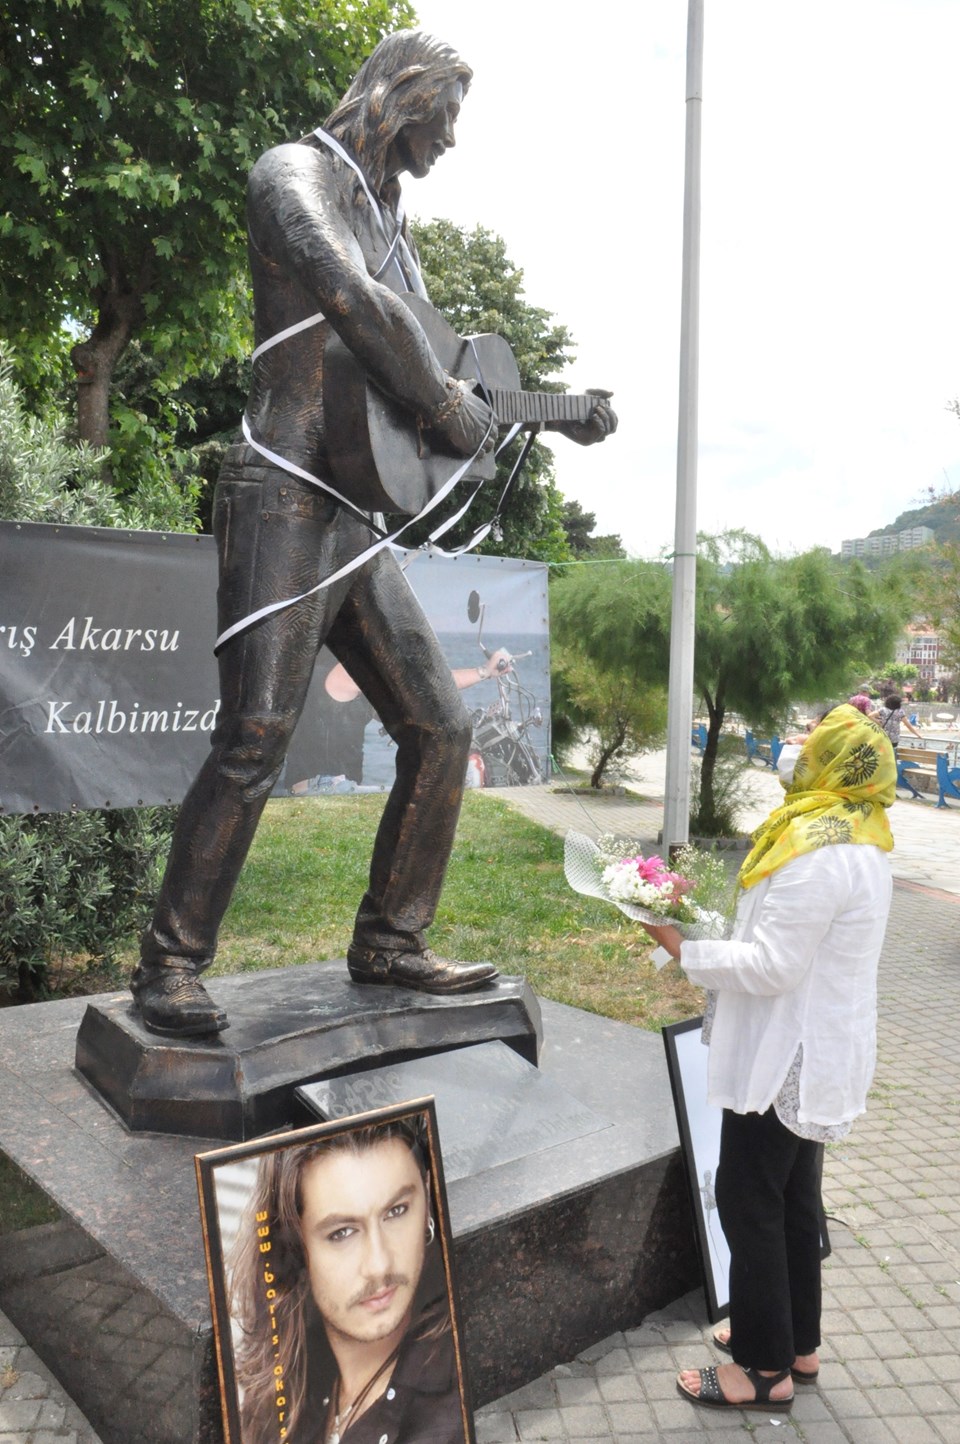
x,y
680,884
651,869
654,870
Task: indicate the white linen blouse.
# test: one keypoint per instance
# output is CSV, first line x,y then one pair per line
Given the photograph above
x,y
800,971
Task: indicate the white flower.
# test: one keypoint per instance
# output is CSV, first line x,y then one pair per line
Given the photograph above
x,y
624,884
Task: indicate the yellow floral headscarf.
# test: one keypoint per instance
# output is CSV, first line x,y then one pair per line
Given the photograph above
x,y
844,780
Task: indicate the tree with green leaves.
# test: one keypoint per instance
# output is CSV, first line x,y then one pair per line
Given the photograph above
x,y
580,527
894,674
477,288
127,130
770,631
623,719
938,585
945,611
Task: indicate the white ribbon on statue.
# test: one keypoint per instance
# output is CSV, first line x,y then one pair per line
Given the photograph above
x,y
394,242
249,621
393,245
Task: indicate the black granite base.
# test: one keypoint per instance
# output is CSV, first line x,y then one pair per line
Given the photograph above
x,y
287,1025
555,1250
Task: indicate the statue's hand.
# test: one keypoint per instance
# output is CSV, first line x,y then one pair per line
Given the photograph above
x,y
465,422
601,423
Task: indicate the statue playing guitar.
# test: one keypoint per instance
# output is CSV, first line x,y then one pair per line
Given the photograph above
x,y
362,402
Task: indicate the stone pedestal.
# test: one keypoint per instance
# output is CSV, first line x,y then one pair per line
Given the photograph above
x,y
555,1248
287,1026
493,1107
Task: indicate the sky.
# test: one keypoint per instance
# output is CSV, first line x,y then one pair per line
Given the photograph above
x,y
829,296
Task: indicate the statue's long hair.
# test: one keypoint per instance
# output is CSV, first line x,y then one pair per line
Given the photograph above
x,y
397,85
276,1207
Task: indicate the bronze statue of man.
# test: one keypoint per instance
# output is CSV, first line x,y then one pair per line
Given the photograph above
x,y
329,252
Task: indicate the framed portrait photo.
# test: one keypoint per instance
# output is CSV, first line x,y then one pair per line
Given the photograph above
x,y
332,1286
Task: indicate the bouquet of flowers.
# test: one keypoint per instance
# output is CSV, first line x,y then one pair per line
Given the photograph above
x,y
694,898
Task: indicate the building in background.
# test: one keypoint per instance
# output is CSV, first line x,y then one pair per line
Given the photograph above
x,y
922,646
889,543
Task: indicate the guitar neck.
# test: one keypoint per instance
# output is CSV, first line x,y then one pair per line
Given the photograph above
x,y
529,407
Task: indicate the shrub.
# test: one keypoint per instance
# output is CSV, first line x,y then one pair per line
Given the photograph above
x,y
44,476
73,886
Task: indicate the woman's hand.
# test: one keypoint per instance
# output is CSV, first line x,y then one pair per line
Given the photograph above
x,y
667,936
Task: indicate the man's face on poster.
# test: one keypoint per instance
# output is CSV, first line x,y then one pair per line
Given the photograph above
x,y
364,1224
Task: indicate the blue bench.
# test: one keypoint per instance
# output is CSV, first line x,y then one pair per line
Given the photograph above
x,y
947,779
928,763
921,760
765,751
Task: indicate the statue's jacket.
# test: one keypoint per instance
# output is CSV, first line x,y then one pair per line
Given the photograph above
x,y
316,243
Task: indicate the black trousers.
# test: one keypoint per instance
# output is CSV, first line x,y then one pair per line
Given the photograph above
x,y
276,539
768,1199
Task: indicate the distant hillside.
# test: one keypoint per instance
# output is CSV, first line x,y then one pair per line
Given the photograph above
x,y
942,516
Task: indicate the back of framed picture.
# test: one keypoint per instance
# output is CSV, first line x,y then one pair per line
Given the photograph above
x,y
699,1127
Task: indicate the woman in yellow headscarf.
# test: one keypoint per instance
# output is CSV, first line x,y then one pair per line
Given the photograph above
x,y
791,1024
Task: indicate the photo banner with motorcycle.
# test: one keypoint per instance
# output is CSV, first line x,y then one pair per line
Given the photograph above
x,y
109,689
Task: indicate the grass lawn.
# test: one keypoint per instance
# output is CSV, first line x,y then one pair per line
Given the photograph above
x,y
22,1203
505,899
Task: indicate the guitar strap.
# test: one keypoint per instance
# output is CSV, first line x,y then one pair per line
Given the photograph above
x,y
398,253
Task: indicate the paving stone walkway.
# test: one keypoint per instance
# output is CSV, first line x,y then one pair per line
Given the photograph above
x,y
33,1407
891,1353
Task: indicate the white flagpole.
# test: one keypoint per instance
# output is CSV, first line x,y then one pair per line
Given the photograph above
x,y
676,809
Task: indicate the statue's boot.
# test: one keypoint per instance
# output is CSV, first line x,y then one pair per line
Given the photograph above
x,y
172,1000
422,971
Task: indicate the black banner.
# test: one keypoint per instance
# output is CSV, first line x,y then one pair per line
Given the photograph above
x,y
109,690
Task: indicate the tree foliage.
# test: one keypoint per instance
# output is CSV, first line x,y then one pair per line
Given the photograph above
x,y
770,631
127,129
473,283
622,718
894,674
580,526
945,605
938,585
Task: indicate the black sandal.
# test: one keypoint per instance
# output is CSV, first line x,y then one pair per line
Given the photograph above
x,y
713,1396
800,1376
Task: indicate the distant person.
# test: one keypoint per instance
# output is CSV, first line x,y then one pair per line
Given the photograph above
x,y
793,745
359,1323
791,1027
892,717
